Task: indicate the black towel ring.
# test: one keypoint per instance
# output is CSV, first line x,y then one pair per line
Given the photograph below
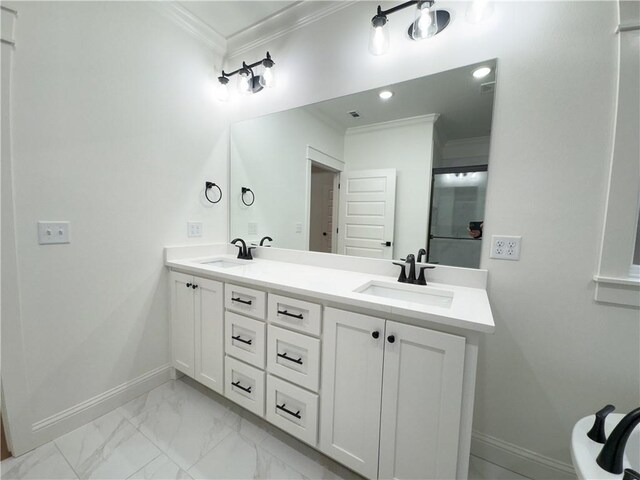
x,y
209,185
253,196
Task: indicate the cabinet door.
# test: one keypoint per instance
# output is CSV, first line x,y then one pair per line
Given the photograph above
x,y
351,389
209,340
182,328
421,401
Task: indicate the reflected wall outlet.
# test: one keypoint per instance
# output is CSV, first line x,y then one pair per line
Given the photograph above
x,y
53,232
298,227
194,229
505,248
252,228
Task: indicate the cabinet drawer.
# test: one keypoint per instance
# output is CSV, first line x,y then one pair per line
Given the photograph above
x,y
244,338
292,409
244,385
294,357
245,300
295,314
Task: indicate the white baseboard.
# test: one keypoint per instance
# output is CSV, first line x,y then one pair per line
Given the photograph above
x,y
71,418
518,459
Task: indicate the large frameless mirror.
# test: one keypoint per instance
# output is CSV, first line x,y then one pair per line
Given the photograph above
x,y
381,173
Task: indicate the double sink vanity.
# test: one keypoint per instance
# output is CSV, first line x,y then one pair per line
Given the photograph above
x,y
376,374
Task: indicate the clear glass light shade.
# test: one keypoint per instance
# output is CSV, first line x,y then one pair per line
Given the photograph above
x,y
244,83
426,22
267,79
479,10
222,92
379,40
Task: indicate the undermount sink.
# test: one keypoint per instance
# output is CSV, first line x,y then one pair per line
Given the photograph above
x,y
222,263
408,293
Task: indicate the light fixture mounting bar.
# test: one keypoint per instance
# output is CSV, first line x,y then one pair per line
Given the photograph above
x,y
249,67
397,8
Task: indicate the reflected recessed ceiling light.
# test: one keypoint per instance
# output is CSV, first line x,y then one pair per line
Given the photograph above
x,y
385,94
481,72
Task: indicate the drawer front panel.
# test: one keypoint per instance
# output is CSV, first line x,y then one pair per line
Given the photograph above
x,y
294,357
245,300
244,385
244,338
292,409
295,314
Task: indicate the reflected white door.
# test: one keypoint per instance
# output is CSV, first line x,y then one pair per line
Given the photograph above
x,y
367,212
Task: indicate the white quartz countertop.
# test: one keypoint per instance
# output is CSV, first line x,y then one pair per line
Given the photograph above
x,y
469,308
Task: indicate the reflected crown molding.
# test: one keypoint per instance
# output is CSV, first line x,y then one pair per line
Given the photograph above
x,y
402,122
281,23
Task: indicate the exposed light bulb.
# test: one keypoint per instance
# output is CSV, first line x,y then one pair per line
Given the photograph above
x,y
479,10
385,94
244,82
426,22
222,91
379,36
267,79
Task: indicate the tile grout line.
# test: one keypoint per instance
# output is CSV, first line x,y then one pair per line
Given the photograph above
x,y
65,458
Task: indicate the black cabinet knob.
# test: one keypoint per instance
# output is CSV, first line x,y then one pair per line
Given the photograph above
x,y
375,334
194,286
391,338
188,285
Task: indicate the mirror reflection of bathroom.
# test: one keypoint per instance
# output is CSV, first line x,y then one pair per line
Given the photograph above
x,y
324,182
410,160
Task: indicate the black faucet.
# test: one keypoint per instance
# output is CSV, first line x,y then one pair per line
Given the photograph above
x,y
263,239
244,253
411,260
612,454
421,253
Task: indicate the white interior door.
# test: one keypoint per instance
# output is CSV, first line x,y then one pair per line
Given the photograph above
x,y
367,213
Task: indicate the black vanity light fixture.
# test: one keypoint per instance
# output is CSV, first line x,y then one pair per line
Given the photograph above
x,y
428,22
248,80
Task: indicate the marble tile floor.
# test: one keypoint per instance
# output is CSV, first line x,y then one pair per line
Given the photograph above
x,y
181,430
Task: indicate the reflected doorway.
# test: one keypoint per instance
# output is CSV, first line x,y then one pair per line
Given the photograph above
x,y
457,199
323,211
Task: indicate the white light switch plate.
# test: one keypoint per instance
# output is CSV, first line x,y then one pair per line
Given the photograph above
x,y
505,247
53,232
194,229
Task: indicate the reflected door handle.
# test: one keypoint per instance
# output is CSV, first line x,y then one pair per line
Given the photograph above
x,y
386,244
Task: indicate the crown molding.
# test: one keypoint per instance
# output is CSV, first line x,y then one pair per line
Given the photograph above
x,y
286,21
193,25
402,122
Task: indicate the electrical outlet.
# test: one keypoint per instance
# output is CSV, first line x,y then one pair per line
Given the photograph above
x,y
298,227
53,232
505,247
252,228
194,229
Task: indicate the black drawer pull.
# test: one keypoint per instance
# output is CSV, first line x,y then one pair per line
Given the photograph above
x,y
240,339
286,357
188,285
286,410
284,312
237,384
239,300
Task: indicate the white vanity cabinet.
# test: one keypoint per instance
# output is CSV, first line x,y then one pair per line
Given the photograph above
x,y
391,397
197,344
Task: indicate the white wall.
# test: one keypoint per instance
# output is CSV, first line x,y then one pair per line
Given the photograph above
x,y
556,355
269,155
114,129
464,152
407,146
